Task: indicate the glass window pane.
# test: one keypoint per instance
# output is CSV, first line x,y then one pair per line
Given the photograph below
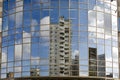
x,y
11,21
19,19
74,3
83,17
35,17
54,15
5,23
11,53
18,52
64,3
26,51
54,3
64,13
83,48
100,19
44,50
35,50
107,20
27,18
74,16
108,53
91,18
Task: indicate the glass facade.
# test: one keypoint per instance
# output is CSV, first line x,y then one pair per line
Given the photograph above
x,y
59,38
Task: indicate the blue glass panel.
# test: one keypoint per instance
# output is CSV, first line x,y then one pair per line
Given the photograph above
x,y
84,17
5,23
11,21
35,50
64,13
19,19
74,3
54,15
27,4
64,3
54,3
44,50
74,16
27,18
35,17
35,1
12,4
83,1
5,7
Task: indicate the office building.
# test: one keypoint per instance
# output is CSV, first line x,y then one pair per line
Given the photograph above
x,y
59,39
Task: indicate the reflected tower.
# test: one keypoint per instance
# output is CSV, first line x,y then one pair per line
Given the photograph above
x,y
60,40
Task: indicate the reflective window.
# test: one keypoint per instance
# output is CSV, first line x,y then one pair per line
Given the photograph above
x,y
18,52
11,53
19,19
107,19
100,19
83,17
59,38
92,18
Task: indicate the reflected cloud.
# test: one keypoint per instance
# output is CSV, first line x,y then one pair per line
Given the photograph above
x,y
34,22
92,17
4,59
25,34
83,73
44,28
26,51
100,17
35,60
115,54
75,53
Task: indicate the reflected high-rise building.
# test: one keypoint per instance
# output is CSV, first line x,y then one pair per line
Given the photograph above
x,y
60,48
101,65
75,66
59,39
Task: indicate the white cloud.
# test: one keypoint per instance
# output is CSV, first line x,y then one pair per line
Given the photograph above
x,y
75,53
34,22
115,54
114,24
18,69
83,73
25,34
44,28
18,52
18,20
4,59
45,20
35,60
100,18
26,48
92,18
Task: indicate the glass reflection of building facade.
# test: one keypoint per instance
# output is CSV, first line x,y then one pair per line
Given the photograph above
x,y
57,38
60,38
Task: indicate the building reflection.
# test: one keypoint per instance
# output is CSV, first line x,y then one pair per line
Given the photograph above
x,y
60,49
75,66
101,65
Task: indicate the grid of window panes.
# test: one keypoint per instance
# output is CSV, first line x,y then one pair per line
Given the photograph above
x,y
26,39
